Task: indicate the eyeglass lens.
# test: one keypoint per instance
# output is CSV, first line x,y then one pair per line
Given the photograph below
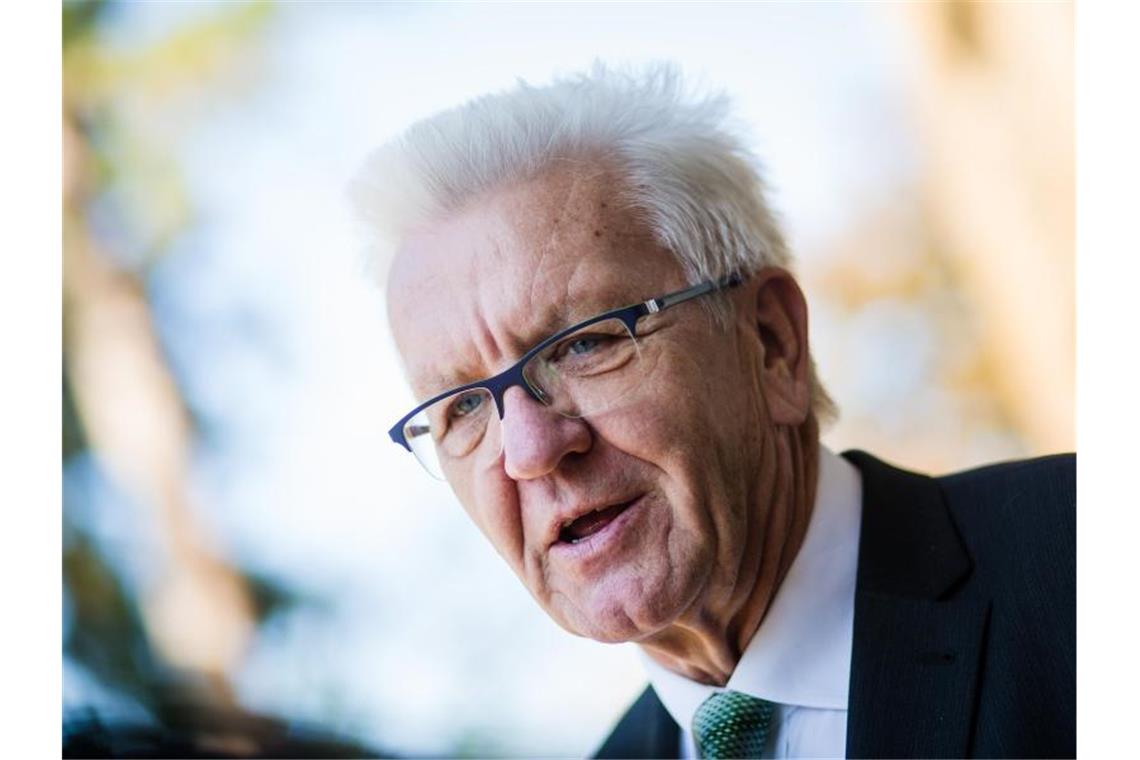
x,y
584,373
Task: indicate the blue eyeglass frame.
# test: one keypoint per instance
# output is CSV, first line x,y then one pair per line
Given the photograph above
x,y
498,385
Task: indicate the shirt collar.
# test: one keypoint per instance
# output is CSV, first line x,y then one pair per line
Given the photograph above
x,y
801,653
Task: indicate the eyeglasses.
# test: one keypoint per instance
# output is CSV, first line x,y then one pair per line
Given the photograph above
x,y
586,369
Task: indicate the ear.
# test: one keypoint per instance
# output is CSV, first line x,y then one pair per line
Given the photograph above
x,y
777,312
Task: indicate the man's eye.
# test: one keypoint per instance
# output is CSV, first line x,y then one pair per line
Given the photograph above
x,y
582,346
466,404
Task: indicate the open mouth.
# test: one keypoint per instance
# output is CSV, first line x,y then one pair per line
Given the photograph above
x,y
591,523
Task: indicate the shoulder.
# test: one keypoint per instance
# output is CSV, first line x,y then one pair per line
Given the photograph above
x,y
1051,475
1013,523
1018,521
999,538
1032,498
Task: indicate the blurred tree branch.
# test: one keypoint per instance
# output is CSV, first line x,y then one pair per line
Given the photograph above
x,y
120,398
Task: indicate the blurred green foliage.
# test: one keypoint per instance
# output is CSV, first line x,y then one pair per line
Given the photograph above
x,y
125,153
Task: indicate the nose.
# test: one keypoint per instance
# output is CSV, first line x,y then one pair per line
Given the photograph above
x,y
536,438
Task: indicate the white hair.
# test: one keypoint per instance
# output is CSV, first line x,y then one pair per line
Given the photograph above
x,y
698,188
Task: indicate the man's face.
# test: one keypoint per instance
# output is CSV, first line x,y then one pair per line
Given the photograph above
x,y
673,465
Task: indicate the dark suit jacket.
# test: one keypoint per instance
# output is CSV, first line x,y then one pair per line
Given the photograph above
x,y
965,619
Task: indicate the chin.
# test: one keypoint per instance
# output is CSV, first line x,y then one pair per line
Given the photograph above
x,y
612,629
612,618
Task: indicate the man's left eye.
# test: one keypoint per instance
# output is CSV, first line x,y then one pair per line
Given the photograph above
x,y
583,345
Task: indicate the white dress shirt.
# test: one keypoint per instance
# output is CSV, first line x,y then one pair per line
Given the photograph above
x,y
800,656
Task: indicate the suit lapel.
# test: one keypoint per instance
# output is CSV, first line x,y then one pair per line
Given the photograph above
x,y
918,640
647,730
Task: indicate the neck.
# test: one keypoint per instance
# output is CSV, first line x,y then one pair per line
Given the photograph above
x,y
706,642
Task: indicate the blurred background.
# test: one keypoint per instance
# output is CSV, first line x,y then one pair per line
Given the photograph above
x,y
245,554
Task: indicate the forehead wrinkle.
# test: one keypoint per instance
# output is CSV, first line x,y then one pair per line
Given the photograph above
x,y
483,350
434,379
523,323
539,309
489,347
578,206
543,287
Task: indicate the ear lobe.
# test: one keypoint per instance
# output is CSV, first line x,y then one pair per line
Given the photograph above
x,y
780,316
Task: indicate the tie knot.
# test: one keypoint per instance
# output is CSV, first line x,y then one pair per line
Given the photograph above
x,y
732,724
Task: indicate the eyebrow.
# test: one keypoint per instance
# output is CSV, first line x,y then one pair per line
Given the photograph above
x,y
437,382
557,318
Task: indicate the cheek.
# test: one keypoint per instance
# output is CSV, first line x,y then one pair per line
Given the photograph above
x,y
492,504
667,430
721,400
698,419
674,418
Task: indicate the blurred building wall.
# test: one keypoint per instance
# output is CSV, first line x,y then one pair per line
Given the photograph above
x,y
994,103
983,241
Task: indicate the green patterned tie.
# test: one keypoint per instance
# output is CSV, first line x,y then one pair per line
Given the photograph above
x,y
731,724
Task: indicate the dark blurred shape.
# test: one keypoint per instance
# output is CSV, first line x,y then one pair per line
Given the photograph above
x,y
74,437
203,732
79,16
106,633
149,661
962,25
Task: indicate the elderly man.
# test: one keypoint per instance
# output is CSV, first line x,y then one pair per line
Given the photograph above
x,y
593,303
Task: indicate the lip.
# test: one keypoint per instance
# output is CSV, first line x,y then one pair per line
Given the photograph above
x,y
554,533
599,542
